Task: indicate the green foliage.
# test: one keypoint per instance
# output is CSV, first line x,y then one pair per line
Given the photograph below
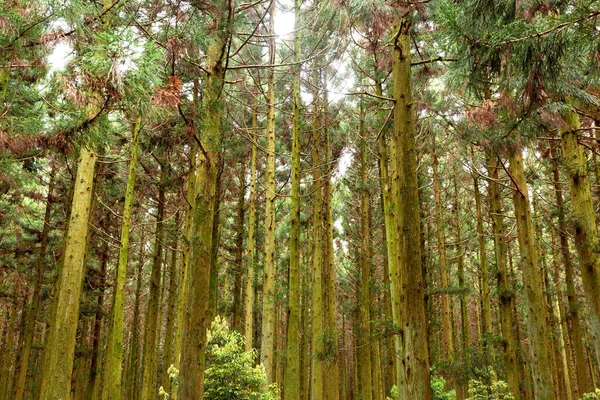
x,y
497,390
591,396
230,374
437,389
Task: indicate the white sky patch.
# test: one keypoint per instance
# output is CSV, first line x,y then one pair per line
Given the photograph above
x,y
60,56
284,19
344,163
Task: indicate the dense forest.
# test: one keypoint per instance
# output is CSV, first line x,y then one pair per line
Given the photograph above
x,y
299,199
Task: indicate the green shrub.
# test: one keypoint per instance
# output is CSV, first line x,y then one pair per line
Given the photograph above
x,y
592,396
497,390
437,389
230,373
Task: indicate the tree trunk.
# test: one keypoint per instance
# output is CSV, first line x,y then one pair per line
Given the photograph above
x,y
114,351
413,382
584,219
532,280
267,351
60,346
291,381
151,332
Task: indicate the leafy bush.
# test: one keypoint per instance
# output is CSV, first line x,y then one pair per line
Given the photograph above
x,y
437,389
230,372
497,390
592,396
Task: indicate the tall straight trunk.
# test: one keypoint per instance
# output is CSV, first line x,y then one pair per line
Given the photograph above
x,y
239,250
464,321
114,352
196,314
132,379
318,237
583,382
461,391
150,358
21,373
413,382
532,280
93,388
331,347
447,343
587,242
213,285
185,258
506,296
365,383
390,250
486,308
60,345
251,246
8,341
168,358
291,380
267,350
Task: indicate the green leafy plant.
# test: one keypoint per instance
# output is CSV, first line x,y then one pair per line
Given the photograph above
x,y
230,372
497,390
592,395
437,389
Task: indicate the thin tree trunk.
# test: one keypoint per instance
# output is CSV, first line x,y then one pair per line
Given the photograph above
x,y
151,333
267,350
168,357
293,373
114,352
239,250
251,246
505,292
365,383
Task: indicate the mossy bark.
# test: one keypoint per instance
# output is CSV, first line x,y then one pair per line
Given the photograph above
x,y
413,366
196,314
267,351
151,332
587,242
365,383
532,281
114,352
447,343
251,245
60,346
292,374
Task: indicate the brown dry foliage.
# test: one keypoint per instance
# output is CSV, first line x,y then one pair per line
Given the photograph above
x,y
484,115
168,96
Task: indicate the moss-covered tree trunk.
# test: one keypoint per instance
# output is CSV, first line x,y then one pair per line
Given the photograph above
x,y
239,251
505,292
363,353
587,242
60,346
486,308
447,343
413,366
292,374
576,333
168,357
532,281
267,351
196,314
114,353
251,245
151,330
